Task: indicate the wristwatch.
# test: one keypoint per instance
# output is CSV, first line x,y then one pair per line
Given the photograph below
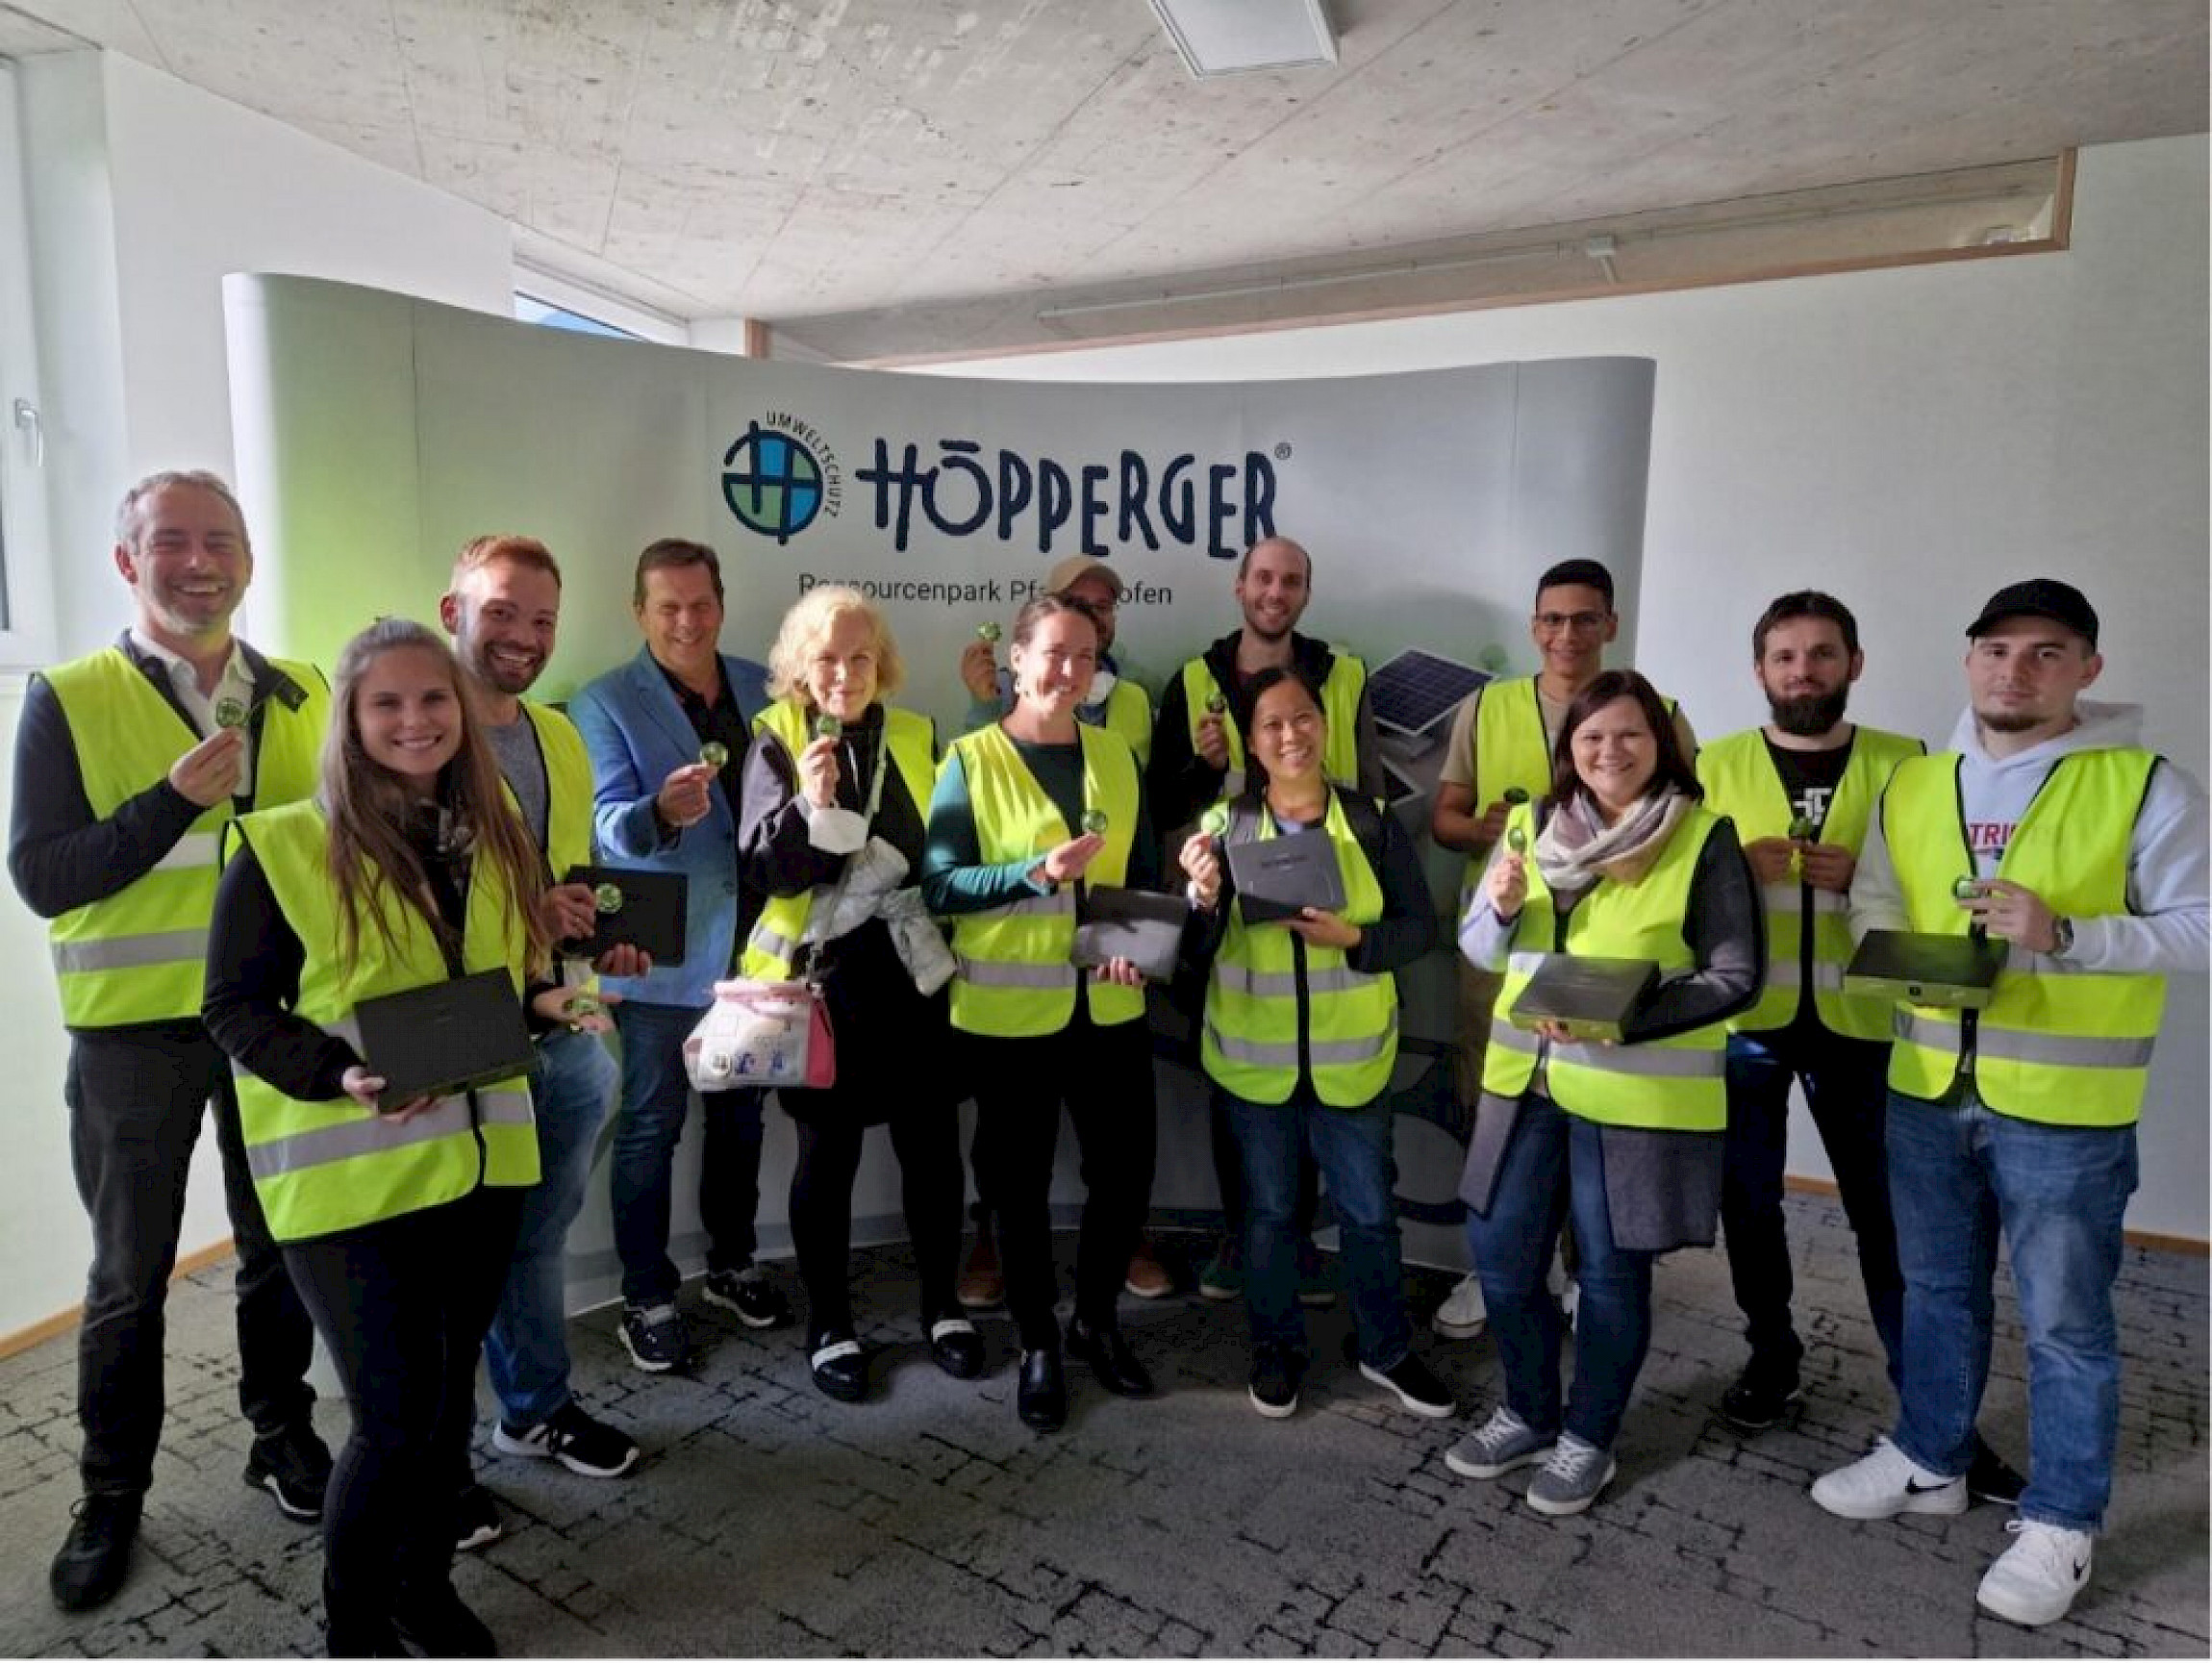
x,y
2061,937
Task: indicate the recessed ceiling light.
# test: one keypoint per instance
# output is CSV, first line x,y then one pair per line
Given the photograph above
x,y
1231,37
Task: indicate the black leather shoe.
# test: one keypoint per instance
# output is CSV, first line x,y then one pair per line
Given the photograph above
x,y
956,1347
1110,1358
431,1618
1042,1399
840,1367
1761,1394
96,1552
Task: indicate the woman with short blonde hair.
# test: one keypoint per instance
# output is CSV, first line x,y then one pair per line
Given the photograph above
x,y
812,619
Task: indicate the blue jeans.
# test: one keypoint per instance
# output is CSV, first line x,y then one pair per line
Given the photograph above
x,y
1844,1090
526,1354
656,1095
1352,1148
1959,1174
1553,1167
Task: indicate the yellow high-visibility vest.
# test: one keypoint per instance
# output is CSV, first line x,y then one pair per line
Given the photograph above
x,y
2066,1047
329,1166
1739,780
1675,1084
1339,707
1015,978
139,955
775,943
1250,1044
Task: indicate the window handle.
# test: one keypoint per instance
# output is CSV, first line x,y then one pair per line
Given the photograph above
x,y
27,422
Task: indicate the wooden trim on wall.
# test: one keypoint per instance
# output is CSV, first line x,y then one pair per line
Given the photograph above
x,y
61,1321
2151,1239
2058,241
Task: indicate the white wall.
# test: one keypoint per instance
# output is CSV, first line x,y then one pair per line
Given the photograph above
x,y
142,194
1910,439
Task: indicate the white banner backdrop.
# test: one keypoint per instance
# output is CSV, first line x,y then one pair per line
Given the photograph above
x,y
376,434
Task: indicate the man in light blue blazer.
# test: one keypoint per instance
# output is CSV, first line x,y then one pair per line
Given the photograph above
x,y
668,801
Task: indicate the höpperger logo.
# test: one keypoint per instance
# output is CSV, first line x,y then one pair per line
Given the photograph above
x,y
779,475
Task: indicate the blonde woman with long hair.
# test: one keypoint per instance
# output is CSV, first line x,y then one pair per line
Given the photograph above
x,y
396,1220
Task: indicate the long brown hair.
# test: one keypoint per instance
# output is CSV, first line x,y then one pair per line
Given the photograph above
x,y
370,856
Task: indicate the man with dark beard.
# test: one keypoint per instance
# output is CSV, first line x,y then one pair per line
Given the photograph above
x,y
1802,790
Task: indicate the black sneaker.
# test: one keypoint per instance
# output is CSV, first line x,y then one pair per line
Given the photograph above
x,y
437,1624
1417,1386
1761,1394
294,1465
655,1337
1991,1478
750,1295
588,1447
1277,1370
96,1552
476,1521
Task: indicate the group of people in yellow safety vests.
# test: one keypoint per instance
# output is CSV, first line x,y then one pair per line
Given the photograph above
x,y
234,856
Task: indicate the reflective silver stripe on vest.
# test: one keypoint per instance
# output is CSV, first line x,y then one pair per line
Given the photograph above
x,y
192,850
1525,964
1790,897
1827,978
372,1134
1012,973
1652,1062
1233,782
767,940
1284,984
2017,1046
131,952
1333,1053
1057,905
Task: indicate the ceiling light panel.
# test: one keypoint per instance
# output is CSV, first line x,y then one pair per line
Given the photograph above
x,y
1232,37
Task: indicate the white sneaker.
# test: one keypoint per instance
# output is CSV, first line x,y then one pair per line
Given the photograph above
x,y
2034,1581
1463,1314
1885,1483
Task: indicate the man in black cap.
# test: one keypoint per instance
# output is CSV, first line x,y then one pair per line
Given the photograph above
x,y
2049,828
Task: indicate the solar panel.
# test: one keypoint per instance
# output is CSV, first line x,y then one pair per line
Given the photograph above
x,y
1417,690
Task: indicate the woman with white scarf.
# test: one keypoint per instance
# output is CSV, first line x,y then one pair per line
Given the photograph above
x,y
1621,860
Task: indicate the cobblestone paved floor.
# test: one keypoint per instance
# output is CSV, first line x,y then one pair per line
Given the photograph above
x,y
770,1520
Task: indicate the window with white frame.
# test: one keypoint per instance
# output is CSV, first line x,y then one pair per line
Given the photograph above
x,y
26,604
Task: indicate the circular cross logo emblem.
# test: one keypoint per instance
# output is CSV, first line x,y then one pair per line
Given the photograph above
x,y
773,483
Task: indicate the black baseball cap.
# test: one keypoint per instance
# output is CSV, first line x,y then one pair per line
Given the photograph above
x,y
2039,598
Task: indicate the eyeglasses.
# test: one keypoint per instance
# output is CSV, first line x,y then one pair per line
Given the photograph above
x,y
1582,622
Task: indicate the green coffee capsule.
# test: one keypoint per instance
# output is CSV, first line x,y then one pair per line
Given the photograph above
x,y
1515,796
1216,821
1517,839
1216,704
1095,822
1967,889
827,726
607,897
583,1005
1801,830
230,712
715,754
989,632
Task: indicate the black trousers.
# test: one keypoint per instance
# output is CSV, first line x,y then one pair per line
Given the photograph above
x,y
1105,1075
925,1137
136,1097
404,1305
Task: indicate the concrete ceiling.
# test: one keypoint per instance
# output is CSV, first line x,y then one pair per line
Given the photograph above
x,y
878,177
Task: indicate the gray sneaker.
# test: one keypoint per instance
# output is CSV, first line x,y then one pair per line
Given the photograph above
x,y
1571,1478
1496,1447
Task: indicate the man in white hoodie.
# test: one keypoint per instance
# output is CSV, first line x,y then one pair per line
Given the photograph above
x,y
2047,826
